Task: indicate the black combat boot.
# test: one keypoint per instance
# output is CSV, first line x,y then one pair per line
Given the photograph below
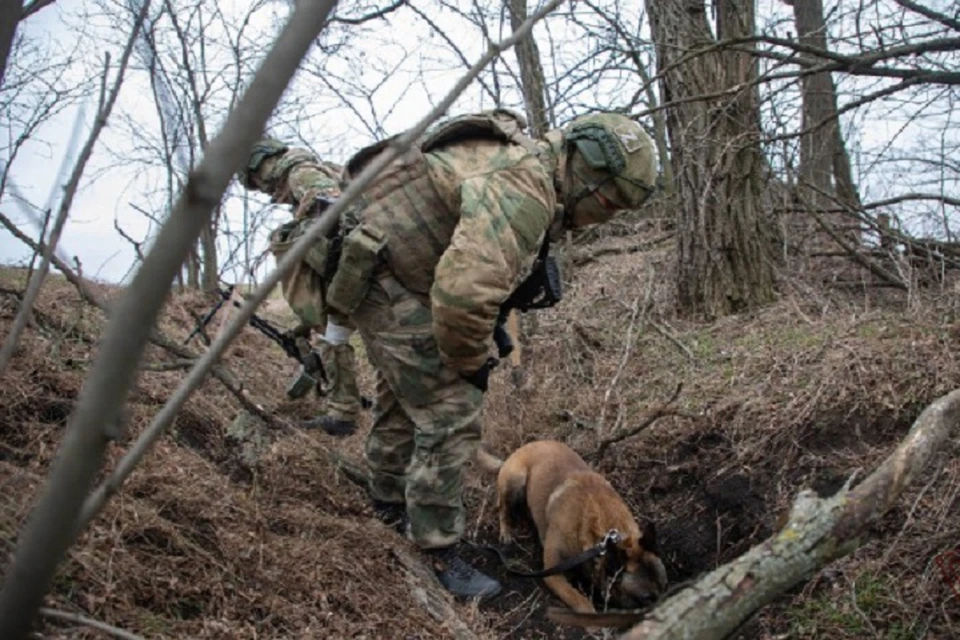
x,y
331,425
460,578
392,515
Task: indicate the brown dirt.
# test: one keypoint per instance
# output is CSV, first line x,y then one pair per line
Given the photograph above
x,y
803,393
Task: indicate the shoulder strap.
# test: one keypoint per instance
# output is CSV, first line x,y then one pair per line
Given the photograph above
x,y
498,124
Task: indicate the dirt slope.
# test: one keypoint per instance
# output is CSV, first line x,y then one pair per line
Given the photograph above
x,y
804,393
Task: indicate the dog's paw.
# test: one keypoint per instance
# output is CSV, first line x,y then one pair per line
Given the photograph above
x,y
506,537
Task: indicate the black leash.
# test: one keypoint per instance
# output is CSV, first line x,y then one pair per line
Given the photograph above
x,y
612,538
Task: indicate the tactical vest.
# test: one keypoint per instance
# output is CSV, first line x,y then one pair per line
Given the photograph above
x,y
401,218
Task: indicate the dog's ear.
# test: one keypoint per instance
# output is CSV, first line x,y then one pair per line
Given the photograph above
x,y
649,537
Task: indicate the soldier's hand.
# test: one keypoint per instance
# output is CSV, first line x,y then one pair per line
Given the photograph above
x,y
300,331
502,339
481,377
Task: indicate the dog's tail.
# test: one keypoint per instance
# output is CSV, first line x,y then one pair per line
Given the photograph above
x,y
488,462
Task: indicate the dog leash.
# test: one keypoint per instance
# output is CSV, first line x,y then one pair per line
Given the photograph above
x,y
612,538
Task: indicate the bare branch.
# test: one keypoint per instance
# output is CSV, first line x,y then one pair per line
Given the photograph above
x,y
105,106
76,618
663,409
137,246
53,525
930,13
374,15
34,7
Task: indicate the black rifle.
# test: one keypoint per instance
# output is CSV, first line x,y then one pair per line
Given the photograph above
x,y
310,364
543,288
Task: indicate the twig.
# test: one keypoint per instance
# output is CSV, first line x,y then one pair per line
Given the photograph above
x,y
586,258
220,372
627,347
322,225
669,336
105,106
662,410
857,256
817,532
137,246
76,618
57,519
176,365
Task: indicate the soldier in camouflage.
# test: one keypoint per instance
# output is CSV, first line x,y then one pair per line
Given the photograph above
x,y
298,178
431,251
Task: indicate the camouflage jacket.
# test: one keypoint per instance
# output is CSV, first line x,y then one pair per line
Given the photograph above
x,y
462,226
506,202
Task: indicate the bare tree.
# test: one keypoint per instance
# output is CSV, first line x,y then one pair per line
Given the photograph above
x,y
531,73
723,260
63,511
104,107
53,525
824,162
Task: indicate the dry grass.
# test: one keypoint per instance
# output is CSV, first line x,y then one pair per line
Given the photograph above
x,y
803,393
806,392
196,544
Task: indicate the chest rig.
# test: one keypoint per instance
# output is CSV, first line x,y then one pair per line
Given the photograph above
x,y
403,220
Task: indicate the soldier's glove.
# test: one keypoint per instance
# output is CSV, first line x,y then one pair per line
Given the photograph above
x,y
481,376
503,341
300,331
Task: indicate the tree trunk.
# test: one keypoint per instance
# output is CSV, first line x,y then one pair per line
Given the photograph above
x,y
193,269
210,276
824,162
531,73
724,258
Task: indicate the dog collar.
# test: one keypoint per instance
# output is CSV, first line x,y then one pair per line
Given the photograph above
x,y
612,539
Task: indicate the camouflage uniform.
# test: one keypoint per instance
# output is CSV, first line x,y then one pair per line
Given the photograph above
x,y
296,177
435,245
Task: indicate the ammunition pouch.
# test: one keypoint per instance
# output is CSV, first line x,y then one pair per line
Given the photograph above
x,y
360,256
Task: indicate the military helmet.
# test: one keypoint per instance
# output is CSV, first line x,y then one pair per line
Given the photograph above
x,y
614,167
262,149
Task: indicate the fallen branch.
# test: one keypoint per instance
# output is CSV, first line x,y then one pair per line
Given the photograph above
x,y
660,411
892,279
76,618
586,258
672,338
817,532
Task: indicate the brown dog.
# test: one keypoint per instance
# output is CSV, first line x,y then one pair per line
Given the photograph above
x,y
573,508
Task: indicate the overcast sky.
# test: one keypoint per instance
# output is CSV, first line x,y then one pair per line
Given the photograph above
x,y
424,71
108,189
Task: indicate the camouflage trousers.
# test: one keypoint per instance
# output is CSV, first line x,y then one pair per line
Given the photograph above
x,y
340,388
427,421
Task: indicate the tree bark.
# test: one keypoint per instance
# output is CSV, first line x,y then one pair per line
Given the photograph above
x,y
9,18
724,260
824,162
531,73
